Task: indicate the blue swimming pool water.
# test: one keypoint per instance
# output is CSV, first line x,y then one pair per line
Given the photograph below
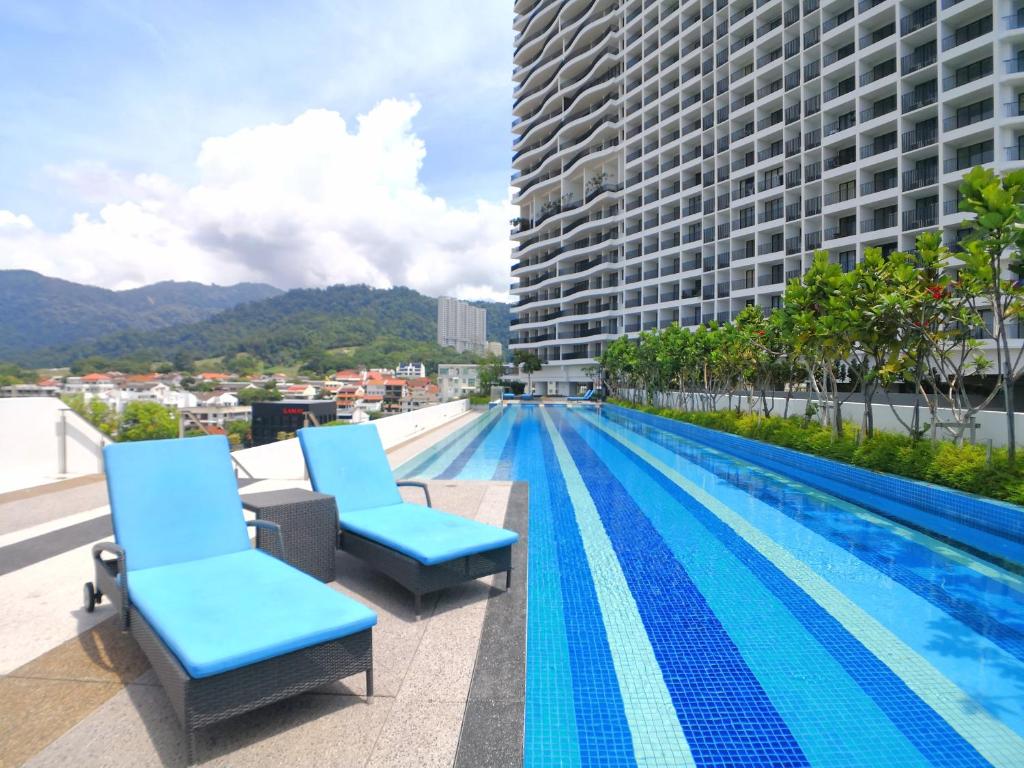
x,y
689,609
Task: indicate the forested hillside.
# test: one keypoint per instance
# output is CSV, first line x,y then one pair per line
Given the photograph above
x,y
38,311
294,327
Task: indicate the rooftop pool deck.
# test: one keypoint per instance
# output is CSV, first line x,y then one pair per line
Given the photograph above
x,y
74,690
689,608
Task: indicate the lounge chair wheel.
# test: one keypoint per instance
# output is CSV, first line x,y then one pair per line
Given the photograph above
x,y
89,597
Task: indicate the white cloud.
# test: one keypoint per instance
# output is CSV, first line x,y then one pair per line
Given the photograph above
x,y
309,203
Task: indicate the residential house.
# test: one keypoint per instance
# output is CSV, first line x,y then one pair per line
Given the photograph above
x,y
215,408
349,399
391,392
90,384
299,392
411,371
350,378
420,393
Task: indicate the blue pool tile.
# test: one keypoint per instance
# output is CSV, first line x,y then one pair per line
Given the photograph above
x,y
574,712
726,715
922,726
602,735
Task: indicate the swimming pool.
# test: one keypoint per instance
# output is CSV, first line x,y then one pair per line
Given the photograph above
x,y
686,608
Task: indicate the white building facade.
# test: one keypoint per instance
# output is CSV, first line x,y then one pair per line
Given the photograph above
x,y
677,161
411,371
461,325
457,381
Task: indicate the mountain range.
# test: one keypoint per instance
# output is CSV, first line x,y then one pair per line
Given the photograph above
x,y
49,322
37,312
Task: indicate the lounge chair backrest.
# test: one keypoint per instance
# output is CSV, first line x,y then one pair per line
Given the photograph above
x,y
349,463
588,394
174,500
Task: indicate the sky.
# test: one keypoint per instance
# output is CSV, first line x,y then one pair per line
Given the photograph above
x,y
300,144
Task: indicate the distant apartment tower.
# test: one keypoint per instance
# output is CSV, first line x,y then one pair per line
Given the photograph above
x,y
461,325
676,161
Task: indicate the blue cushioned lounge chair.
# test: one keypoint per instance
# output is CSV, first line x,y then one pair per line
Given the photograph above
x,y
227,628
421,548
589,394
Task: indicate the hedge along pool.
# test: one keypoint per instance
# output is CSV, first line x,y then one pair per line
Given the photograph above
x,y
690,608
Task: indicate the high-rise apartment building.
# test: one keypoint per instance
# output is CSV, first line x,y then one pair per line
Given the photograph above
x,y
461,325
676,161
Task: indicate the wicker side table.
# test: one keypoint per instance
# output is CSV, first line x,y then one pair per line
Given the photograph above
x,y
309,527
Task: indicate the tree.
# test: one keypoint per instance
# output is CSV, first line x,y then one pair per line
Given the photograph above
x,y
95,411
251,395
14,374
239,433
243,364
618,362
90,364
821,321
491,369
147,421
529,363
183,361
877,327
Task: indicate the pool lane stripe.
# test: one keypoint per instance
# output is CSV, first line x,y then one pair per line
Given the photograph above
x,y
657,735
726,715
808,686
694,449
602,730
433,459
506,462
550,711
460,461
482,463
806,510
978,729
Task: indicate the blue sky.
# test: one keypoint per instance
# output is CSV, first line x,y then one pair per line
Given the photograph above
x,y
98,92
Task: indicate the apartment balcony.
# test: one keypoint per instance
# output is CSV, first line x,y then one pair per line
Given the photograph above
x,y
880,34
919,219
967,33
879,185
841,231
878,222
917,139
916,179
954,164
923,57
968,74
918,19
919,99
954,122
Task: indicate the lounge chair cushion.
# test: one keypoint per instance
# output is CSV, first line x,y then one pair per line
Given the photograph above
x,y
424,534
349,463
174,500
226,612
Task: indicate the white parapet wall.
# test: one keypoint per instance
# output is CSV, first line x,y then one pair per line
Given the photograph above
x,y
283,460
42,440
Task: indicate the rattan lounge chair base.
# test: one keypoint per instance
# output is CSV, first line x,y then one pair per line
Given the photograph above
x,y
199,702
423,579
